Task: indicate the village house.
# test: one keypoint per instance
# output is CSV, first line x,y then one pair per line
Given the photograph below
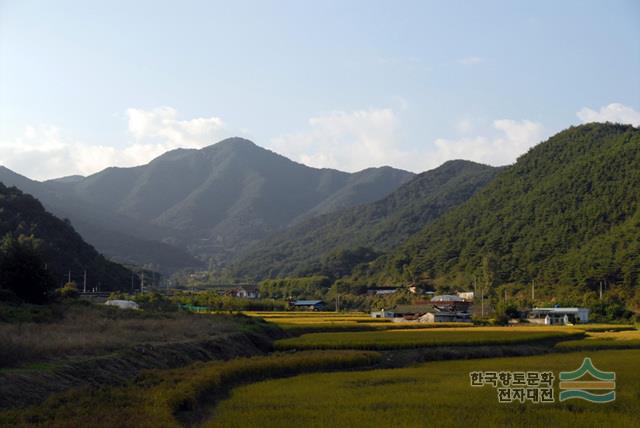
x,y
443,308
382,314
466,295
559,316
307,305
246,292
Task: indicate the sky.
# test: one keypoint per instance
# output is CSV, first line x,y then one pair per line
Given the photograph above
x,y
338,84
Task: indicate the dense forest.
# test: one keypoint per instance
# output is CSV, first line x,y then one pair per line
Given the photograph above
x,y
567,213
330,243
30,233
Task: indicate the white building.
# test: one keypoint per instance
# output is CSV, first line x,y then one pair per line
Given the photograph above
x,y
246,292
559,316
382,314
466,295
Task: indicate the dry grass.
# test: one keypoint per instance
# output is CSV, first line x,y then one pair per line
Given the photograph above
x,y
91,330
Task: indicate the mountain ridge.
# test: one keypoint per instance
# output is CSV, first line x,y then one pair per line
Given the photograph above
x,y
538,220
379,225
207,202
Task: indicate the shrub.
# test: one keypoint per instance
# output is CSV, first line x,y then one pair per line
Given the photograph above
x,y
68,291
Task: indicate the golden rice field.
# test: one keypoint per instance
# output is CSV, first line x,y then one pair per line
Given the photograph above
x,y
432,394
417,338
316,322
595,327
155,398
604,340
310,322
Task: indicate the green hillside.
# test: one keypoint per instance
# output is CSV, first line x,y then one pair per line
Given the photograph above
x,y
61,248
566,213
306,247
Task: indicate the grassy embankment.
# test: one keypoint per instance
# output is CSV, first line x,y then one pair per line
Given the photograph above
x,y
158,396
432,394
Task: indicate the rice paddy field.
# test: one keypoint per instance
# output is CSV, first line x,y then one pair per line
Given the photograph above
x,y
332,370
604,340
431,394
317,322
418,338
309,322
157,398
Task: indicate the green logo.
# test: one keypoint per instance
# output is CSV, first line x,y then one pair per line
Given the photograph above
x,y
571,387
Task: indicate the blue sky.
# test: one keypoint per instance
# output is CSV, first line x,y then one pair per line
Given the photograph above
x,y
344,84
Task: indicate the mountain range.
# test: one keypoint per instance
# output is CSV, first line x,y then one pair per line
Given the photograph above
x,y
191,207
380,226
567,212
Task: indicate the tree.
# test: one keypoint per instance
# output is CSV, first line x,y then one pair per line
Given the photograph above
x,y
23,271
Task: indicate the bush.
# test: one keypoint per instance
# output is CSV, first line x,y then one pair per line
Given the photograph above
x,y
68,291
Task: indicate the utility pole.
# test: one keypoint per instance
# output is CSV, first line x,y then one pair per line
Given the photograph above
x,y
142,284
69,278
132,281
600,290
533,290
84,286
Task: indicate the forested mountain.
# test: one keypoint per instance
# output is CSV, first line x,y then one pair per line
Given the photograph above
x,y
23,217
379,226
117,236
566,213
211,202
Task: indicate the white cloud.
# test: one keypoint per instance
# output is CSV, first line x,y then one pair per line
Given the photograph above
x,y
360,139
42,152
615,112
162,123
471,60
345,140
514,139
